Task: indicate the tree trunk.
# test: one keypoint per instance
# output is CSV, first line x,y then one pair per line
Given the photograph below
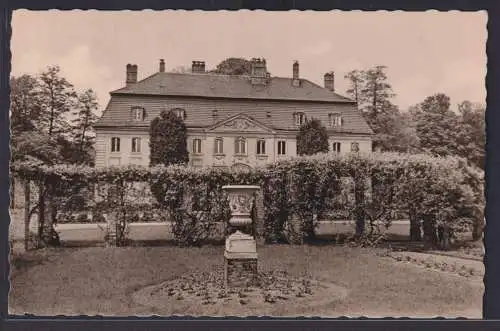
x,y
27,218
477,230
444,237
430,235
359,196
48,236
415,227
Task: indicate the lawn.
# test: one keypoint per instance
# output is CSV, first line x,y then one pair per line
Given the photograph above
x,y
97,280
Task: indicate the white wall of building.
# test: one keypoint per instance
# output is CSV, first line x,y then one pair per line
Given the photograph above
x,y
207,157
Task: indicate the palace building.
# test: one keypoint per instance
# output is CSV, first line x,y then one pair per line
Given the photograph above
x,y
232,120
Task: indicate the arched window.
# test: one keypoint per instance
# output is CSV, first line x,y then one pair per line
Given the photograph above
x,y
240,146
219,146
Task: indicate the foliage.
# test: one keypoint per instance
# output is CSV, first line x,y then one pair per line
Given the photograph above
x,y
444,193
436,125
40,126
373,93
312,138
356,81
83,134
233,66
25,107
168,140
57,97
471,135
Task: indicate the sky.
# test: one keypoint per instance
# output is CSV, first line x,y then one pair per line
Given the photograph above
x,y
425,52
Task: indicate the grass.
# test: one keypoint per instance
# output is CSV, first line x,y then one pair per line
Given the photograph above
x,y
96,280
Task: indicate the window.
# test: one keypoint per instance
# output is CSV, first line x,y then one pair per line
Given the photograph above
x,y
336,147
138,114
240,146
197,146
335,119
115,144
261,147
354,147
219,146
281,147
136,145
181,113
299,118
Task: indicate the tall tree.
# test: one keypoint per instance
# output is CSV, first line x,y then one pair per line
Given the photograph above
x,y
24,104
312,138
83,122
436,125
356,82
372,92
168,140
233,66
58,97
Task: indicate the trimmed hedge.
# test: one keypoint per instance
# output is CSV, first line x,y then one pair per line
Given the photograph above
x,y
444,193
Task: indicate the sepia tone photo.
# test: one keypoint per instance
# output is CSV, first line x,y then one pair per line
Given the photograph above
x,y
247,163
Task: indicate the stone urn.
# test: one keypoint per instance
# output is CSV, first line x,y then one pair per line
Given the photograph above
x,y
240,254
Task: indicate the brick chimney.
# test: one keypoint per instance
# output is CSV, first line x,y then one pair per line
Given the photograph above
x,y
296,79
198,67
259,72
162,65
330,81
131,74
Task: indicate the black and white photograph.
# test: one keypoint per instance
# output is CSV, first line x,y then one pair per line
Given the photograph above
x,y
247,163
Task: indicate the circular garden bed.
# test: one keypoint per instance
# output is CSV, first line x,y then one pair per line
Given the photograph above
x,y
204,293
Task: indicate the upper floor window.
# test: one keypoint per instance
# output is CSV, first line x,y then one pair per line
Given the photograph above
x,y
261,147
219,146
115,144
335,119
181,113
138,113
354,147
336,147
196,146
300,118
281,147
136,145
240,146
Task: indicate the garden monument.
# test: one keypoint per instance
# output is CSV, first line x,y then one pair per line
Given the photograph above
x,y
240,255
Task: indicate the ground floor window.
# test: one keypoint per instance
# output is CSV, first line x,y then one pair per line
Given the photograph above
x,y
261,147
336,147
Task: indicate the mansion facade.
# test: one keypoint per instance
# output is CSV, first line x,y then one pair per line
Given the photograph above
x,y
231,120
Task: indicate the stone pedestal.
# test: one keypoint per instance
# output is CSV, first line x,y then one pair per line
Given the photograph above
x,y
240,255
240,261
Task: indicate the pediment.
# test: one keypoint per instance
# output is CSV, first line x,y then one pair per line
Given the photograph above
x,y
240,123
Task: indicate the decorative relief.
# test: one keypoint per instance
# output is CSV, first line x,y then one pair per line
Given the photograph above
x,y
240,203
240,124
